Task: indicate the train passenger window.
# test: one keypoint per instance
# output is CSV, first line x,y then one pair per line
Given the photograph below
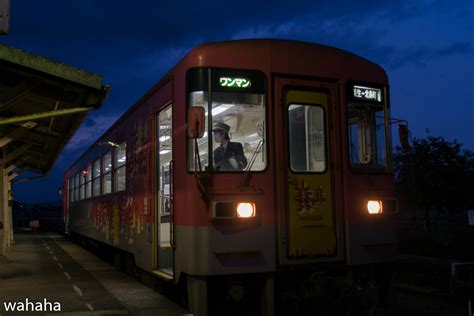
x,y
71,190
120,156
96,178
82,185
107,173
307,138
88,178
76,187
366,127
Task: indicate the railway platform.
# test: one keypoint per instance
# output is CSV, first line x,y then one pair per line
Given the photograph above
x,y
45,273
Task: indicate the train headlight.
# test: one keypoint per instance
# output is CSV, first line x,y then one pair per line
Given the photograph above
x,y
374,207
246,210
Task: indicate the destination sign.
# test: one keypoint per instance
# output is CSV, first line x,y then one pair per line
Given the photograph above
x,y
367,93
234,82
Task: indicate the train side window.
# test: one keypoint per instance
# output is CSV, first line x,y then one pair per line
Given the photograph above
x,y
307,138
76,187
88,178
96,178
107,173
82,185
120,157
71,189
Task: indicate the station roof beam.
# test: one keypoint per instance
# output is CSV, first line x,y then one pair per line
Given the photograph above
x,y
42,104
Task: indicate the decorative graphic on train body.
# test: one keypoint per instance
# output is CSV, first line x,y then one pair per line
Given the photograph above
x,y
124,217
119,220
308,198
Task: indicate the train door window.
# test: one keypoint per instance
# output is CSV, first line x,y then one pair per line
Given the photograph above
x,y
165,155
107,173
307,139
82,185
165,190
120,157
366,128
96,178
88,179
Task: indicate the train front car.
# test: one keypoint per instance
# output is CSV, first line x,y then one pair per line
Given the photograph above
x,y
303,180
250,167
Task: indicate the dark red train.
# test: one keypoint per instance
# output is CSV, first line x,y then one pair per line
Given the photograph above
x,y
249,159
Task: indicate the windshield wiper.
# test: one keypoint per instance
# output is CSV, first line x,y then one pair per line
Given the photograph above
x,y
247,175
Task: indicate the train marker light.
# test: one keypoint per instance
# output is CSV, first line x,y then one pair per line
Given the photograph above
x,y
374,207
234,82
245,210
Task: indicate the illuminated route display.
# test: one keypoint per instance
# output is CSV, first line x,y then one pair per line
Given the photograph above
x,y
367,93
234,82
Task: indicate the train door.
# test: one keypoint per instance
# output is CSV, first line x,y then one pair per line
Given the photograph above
x,y
165,191
308,222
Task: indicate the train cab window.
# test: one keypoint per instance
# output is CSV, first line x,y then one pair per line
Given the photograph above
x,y
243,114
107,173
96,178
88,179
307,138
120,157
367,139
236,127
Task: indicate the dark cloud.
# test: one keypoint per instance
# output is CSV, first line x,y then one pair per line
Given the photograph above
x,y
421,56
455,48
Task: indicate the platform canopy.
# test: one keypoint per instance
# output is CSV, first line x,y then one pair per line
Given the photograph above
x,y
42,104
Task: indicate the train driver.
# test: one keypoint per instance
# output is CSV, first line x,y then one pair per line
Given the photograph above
x,y
229,156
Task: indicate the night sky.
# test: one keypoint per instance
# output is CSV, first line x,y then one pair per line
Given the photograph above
x,y
426,47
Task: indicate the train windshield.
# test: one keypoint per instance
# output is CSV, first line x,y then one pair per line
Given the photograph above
x,y
234,140
367,136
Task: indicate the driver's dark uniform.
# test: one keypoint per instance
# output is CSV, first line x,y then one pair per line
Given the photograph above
x,y
229,150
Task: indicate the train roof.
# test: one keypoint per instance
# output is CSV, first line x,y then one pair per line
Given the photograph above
x,y
277,45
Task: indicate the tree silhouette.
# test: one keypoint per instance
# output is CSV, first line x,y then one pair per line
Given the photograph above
x,y
435,175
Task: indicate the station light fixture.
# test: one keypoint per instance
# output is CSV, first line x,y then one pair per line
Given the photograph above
x,y
112,144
